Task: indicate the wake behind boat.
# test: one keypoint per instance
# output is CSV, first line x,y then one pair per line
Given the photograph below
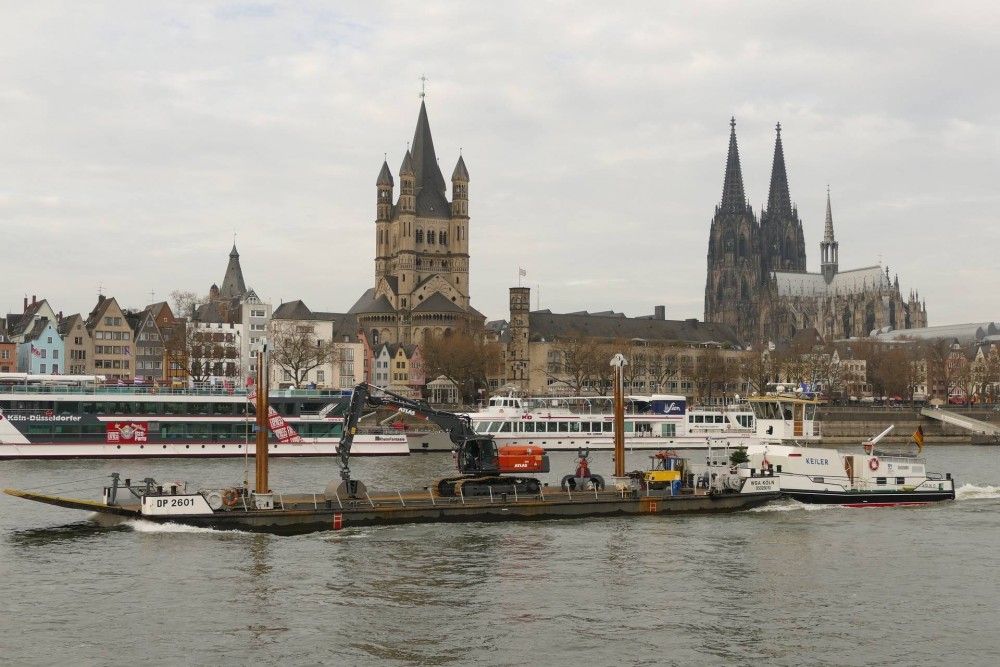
x,y
868,478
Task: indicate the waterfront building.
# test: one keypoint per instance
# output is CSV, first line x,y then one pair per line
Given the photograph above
x,y
421,250
544,352
112,337
332,342
35,336
757,279
235,317
79,346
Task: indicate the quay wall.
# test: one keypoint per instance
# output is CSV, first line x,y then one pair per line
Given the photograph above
x,y
847,426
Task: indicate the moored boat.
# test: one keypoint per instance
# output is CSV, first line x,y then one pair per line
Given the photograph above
x,y
787,423
651,423
68,416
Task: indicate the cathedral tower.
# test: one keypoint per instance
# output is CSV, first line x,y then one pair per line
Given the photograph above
x,y
783,246
732,291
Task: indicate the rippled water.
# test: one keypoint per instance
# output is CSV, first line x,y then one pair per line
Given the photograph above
x,y
783,585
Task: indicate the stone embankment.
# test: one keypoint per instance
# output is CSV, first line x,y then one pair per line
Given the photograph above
x,y
849,426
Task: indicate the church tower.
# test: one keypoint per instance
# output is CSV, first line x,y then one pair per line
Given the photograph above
x,y
783,246
421,249
829,248
518,371
732,291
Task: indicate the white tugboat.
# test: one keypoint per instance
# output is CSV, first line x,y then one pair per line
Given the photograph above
x,y
786,424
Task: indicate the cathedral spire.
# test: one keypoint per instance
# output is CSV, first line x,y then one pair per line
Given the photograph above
x,y
778,200
828,225
733,198
829,249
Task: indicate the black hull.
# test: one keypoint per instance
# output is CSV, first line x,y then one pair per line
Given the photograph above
x,y
872,499
305,517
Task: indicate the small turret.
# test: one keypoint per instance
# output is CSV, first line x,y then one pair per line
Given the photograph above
x,y
384,185
407,195
460,189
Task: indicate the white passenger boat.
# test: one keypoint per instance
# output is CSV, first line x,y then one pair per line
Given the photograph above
x,y
787,423
65,417
660,422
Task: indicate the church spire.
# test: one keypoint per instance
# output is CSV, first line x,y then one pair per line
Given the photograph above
x,y
232,284
425,164
733,198
778,200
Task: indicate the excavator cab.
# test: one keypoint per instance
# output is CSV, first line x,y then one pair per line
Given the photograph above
x,y
478,455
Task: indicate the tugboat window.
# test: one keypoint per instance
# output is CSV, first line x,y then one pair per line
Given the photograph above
x,y
880,481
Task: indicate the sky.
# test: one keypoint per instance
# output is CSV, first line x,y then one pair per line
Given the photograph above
x,y
137,140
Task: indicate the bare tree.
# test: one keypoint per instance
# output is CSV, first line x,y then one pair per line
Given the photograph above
x,y
758,370
296,349
184,302
662,364
463,356
202,352
577,360
713,373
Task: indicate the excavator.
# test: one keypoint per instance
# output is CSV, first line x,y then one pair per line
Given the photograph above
x,y
484,468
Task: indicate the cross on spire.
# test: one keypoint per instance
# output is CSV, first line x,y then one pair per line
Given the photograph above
x,y
423,83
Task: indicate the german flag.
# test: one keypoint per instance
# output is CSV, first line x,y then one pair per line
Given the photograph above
x,y
918,437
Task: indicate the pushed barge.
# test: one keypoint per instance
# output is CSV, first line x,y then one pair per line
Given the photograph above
x,y
493,484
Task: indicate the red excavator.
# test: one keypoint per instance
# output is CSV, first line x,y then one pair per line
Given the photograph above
x,y
485,468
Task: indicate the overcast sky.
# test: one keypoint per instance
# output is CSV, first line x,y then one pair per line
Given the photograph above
x,y
136,138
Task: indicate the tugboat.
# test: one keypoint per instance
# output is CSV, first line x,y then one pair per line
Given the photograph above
x,y
787,423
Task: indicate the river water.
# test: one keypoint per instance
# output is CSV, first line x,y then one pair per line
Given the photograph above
x,y
786,584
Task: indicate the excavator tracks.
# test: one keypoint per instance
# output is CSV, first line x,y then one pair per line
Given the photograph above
x,y
494,485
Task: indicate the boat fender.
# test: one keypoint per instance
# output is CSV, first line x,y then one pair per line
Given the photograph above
x,y
873,463
229,497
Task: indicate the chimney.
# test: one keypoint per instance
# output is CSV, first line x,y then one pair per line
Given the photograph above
x,y
660,313
25,304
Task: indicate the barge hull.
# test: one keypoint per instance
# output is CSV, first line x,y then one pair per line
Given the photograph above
x,y
324,515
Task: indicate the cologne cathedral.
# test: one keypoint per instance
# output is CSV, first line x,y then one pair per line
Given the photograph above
x,y
757,279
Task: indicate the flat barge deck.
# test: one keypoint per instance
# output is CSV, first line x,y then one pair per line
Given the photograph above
x,y
308,513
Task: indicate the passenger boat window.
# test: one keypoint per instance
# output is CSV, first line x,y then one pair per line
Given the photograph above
x,y
574,427
669,430
563,427
629,427
553,427
811,412
608,427
880,481
817,480
505,427
900,480
719,419
529,427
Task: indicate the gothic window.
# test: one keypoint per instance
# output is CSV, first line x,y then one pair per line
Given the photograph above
x,y
420,236
743,245
430,237
729,243
443,238
719,291
744,289
847,322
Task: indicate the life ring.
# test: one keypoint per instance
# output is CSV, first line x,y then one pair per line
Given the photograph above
x,y
873,463
229,497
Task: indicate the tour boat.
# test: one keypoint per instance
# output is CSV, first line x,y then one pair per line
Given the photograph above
x,y
787,423
64,417
655,423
